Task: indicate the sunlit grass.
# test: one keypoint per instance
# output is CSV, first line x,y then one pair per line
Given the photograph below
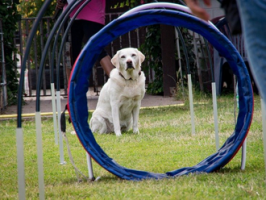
x,y
165,143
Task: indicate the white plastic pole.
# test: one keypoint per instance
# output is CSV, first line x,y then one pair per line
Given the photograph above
x,y
61,149
26,82
215,115
90,170
244,155
264,129
20,164
244,145
39,155
191,104
54,113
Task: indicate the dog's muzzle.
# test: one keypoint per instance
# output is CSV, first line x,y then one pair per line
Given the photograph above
x,y
130,65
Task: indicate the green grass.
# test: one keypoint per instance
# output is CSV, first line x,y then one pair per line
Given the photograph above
x,y
164,144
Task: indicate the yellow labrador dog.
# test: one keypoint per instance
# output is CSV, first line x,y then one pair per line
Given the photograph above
x,y
120,98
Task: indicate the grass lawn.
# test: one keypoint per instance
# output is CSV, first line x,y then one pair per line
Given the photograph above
x,y
164,144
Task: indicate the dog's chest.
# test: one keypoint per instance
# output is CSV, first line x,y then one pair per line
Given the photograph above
x,y
131,94
127,104
130,97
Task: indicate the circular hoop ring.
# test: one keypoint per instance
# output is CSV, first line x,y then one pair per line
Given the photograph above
x,y
79,83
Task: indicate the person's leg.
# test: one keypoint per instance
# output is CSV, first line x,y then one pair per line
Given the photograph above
x,y
253,17
76,43
77,35
91,28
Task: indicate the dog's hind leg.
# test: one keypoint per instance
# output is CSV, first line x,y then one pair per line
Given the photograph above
x,y
97,124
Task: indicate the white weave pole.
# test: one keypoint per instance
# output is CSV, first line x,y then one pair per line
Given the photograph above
x,y
191,104
39,155
244,145
21,165
90,170
244,154
263,107
61,149
215,115
54,113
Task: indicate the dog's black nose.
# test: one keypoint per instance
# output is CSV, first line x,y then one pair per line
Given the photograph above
x,y
129,64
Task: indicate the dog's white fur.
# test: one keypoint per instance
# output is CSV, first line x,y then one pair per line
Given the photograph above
x,y
120,98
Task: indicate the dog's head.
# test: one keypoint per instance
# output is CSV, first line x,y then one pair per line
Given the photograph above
x,y
128,62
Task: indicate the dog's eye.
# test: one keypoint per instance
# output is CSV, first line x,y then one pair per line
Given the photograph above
x,y
123,56
133,55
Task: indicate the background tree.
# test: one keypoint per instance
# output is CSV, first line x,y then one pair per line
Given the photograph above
x,y
30,8
9,17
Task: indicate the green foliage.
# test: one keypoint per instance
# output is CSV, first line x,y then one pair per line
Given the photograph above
x,y
127,3
182,80
30,8
135,3
152,50
9,16
188,39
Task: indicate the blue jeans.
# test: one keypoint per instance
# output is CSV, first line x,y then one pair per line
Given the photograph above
x,y
253,18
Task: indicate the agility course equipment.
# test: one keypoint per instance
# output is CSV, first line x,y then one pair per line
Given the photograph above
x,y
79,84
58,25
19,131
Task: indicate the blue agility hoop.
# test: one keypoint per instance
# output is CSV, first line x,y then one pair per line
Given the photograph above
x,y
79,84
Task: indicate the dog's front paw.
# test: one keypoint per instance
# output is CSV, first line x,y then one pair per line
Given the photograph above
x,y
136,130
118,133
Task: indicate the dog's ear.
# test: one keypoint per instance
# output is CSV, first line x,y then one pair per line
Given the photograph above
x,y
115,60
141,57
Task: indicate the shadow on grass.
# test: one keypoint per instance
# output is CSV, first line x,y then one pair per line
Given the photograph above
x,y
228,170
103,179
